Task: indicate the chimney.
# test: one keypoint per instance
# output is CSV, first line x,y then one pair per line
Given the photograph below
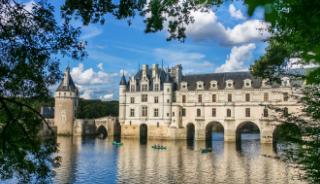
x,y
144,70
154,70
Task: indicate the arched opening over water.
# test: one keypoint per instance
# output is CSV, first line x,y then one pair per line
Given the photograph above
x,y
214,131
102,132
283,133
247,131
143,133
248,135
117,131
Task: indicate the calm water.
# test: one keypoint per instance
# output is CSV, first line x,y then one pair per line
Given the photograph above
x,y
98,161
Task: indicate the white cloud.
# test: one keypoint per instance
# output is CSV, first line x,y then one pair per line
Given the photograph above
x,y
94,84
89,76
90,32
237,58
107,97
298,63
235,13
193,62
207,27
100,66
86,94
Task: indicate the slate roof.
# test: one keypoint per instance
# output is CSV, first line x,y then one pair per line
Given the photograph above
x,y
123,80
221,78
237,77
71,86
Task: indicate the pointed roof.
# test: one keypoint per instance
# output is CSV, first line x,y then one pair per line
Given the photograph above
x,y
67,83
168,79
123,80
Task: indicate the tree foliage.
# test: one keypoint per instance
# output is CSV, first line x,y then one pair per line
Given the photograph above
x,y
88,108
30,38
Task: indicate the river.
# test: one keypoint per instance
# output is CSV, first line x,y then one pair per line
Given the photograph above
x,y
98,161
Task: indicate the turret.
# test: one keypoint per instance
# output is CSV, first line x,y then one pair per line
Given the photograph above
x,y
167,93
66,102
122,99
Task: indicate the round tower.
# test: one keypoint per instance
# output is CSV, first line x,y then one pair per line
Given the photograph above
x,y
122,99
66,102
167,94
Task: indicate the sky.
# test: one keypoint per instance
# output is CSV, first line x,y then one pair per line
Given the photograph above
x,y
221,40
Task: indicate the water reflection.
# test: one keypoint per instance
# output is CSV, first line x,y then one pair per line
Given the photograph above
x,y
98,161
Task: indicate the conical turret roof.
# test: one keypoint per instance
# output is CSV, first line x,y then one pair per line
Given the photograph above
x,y
67,83
123,80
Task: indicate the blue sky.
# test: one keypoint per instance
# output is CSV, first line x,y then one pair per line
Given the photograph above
x,y
220,40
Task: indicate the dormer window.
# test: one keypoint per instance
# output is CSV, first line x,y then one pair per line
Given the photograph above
x,y
265,83
200,85
132,88
229,83
213,84
144,87
247,83
285,81
156,87
184,85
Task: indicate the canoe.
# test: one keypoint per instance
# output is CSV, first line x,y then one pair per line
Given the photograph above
x,y
117,143
206,150
159,147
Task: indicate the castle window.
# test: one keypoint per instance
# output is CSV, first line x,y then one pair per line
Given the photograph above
x,y
214,98
183,98
156,99
144,111
168,101
200,98
228,112
158,124
144,87
266,97
247,97
168,89
156,87
131,112
285,112
265,112
198,112
132,100
285,97
229,97
200,85
183,112
144,98
132,88
156,112
214,112
229,83
247,112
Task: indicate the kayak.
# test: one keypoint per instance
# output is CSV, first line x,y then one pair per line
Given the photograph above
x,y
117,143
206,150
159,147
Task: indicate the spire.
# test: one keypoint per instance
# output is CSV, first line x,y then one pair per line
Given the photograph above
x,y
123,80
67,83
167,79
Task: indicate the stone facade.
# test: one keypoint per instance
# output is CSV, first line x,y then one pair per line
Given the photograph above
x,y
170,104
66,102
65,122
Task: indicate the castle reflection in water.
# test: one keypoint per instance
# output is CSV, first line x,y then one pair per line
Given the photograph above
x,y
98,161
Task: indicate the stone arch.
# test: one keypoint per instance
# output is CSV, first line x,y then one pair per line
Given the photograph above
x,y
285,132
210,126
143,132
245,125
102,132
190,132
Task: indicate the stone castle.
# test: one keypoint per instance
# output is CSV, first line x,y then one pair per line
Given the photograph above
x,y
64,119
166,104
